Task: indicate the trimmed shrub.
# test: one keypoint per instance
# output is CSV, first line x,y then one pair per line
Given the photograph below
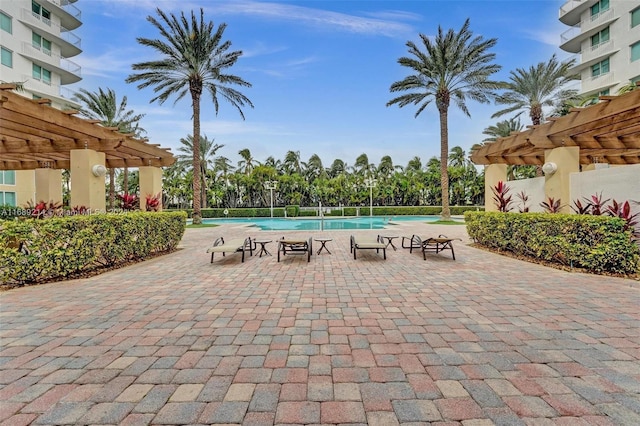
x,y
37,250
595,243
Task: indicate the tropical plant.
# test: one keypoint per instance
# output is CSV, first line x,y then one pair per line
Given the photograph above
x,y
533,89
103,105
43,209
194,59
623,211
452,68
523,197
579,208
598,205
501,197
551,205
153,202
207,150
128,201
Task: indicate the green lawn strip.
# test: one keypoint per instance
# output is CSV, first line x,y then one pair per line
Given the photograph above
x,y
446,222
202,225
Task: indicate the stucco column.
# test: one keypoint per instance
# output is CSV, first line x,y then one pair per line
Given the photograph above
x,y
150,179
557,184
493,173
87,189
49,185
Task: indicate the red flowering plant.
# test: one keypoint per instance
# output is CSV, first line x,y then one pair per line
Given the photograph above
x,y
153,202
128,202
42,209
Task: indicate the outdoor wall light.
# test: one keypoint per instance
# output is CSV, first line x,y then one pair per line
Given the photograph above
x,y
549,168
99,170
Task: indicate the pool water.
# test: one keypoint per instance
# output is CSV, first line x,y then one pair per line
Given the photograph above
x,y
311,224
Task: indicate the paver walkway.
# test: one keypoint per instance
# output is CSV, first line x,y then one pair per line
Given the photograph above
x,y
478,341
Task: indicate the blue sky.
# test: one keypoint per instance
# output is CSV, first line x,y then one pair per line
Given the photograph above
x,y
320,71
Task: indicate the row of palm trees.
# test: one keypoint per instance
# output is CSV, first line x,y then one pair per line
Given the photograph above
x,y
247,184
450,69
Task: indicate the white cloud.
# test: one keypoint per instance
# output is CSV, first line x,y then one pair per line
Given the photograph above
x,y
316,17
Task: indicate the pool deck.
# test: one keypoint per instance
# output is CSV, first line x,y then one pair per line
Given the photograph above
x,y
481,340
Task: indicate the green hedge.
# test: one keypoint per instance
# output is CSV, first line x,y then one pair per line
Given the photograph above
x,y
595,243
33,250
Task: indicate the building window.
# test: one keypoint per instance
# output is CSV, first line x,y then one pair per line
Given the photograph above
x,y
8,198
635,18
635,51
6,57
7,177
41,43
41,74
40,11
599,7
600,68
599,38
5,23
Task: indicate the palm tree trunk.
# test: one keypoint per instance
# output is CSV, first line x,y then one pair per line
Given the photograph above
x,y
125,181
112,188
197,213
444,160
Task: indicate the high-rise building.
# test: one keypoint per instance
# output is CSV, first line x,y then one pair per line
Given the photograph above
x,y
605,36
36,42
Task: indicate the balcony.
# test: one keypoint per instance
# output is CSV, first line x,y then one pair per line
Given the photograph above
x,y
597,52
571,11
599,82
69,71
69,42
68,13
571,40
598,20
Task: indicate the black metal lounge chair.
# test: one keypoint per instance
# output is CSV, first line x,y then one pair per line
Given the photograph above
x,y
364,243
300,247
235,245
435,244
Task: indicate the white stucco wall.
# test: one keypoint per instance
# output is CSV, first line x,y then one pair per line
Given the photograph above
x,y
533,188
620,183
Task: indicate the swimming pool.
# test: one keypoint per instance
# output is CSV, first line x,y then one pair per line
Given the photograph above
x,y
315,224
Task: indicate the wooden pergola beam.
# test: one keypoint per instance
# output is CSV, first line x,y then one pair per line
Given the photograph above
x,y
33,133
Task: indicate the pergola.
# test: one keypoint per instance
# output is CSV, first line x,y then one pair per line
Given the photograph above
x,y
607,132
35,136
586,138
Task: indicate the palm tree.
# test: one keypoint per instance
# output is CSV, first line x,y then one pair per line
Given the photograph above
x,y
103,105
502,129
194,59
539,86
454,67
247,163
207,150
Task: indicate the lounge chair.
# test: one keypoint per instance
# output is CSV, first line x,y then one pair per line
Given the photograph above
x,y
435,244
367,243
295,247
235,245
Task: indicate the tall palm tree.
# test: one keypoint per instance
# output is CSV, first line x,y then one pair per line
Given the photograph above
x,y
194,59
454,67
207,150
103,105
539,86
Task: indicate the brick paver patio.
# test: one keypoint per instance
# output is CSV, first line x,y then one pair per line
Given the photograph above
x,y
478,341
